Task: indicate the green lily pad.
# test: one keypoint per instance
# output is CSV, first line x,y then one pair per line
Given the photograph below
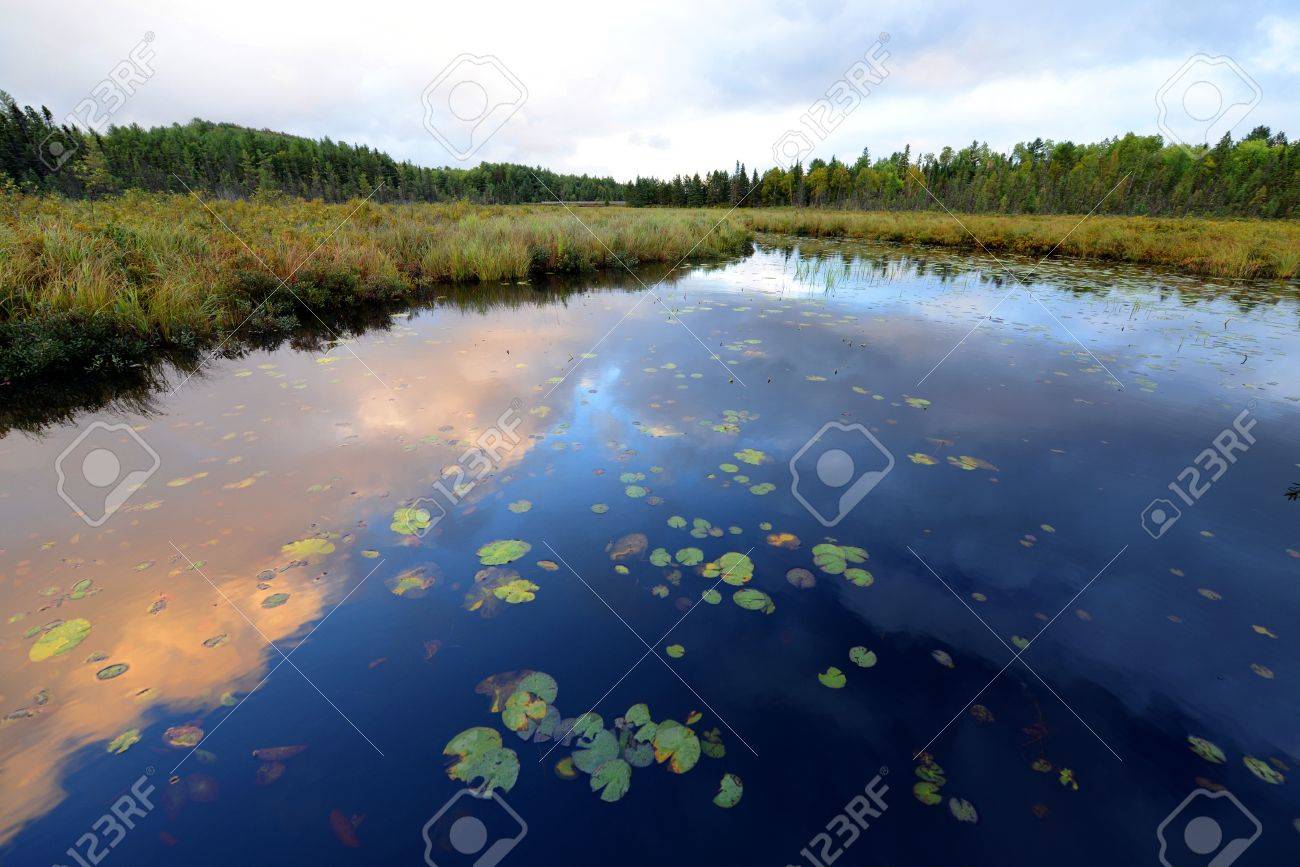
x,y
275,600
124,741
689,556
762,488
753,457
834,559
677,522
927,793
729,791
832,678
502,551
600,508
735,568
711,744
754,600
677,745
729,468
860,577
637,714
1206,750
595,751
313,546
612,779
1263,770
410,521
863,657
59,639
660,557
636,492
540,684
711,596
518,591
81,589
676,651
521,708
519,506
109,672
410,584
482,758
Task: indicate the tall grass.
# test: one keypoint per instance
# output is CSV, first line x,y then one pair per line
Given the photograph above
x,y
166,262
1217,248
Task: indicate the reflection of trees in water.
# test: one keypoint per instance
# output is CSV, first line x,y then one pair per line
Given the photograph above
x,y
832,263
33,407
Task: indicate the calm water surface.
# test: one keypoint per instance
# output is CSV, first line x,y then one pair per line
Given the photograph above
x,y
1021,467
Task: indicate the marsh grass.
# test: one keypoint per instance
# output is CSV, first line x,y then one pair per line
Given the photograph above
x,y
1213,248
142,270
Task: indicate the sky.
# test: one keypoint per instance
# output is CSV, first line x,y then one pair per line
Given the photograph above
x,y
659,88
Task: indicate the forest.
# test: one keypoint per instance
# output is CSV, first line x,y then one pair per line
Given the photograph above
x,y
1255,176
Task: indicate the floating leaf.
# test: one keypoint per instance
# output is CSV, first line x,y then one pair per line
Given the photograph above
x,y
564,769
753,457
963,810
482,758
1263,770
860,577
735,568
754,600
314,546
676,744
783,540
729,791
966,462
600,508
502,551
833,678
410,584
834,559
689,556
863,657
927,793
1067,779
636,492
711,596
548,565
595,751
517,591
660,557
59,639
676,651
801,578
1206,749
943,658
183,737
711,744
763,488
677,522
612,779
411,521
111,671
275,600
729,468
922,458
522,708
124,741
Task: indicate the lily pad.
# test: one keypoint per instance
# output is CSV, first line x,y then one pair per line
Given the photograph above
x,y
676,744
753,457
595,751
183,737
689,556
863,657
517,591
1263,770
735,568
521,708
275,600
411,521
660,557
963,810
1206,750
834,559
754,600
612,779
860,577
676,651
59,639
729,791
124,741
502,551
313,546
600,508
411,584
482,758
677,522
109,672
801,578
519,506
832,678
927,793
711,596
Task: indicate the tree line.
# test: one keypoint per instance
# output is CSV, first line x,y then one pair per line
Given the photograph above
x,y
1256,176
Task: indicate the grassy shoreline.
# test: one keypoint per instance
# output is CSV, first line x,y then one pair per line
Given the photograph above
x,y
90,286
102,284
1234,249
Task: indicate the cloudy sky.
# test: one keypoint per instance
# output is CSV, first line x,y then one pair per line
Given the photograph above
x,y
668,86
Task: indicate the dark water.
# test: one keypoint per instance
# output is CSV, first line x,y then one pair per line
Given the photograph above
x,y
1021,484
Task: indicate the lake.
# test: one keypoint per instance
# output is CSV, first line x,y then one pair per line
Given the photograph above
x,y
1008,633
